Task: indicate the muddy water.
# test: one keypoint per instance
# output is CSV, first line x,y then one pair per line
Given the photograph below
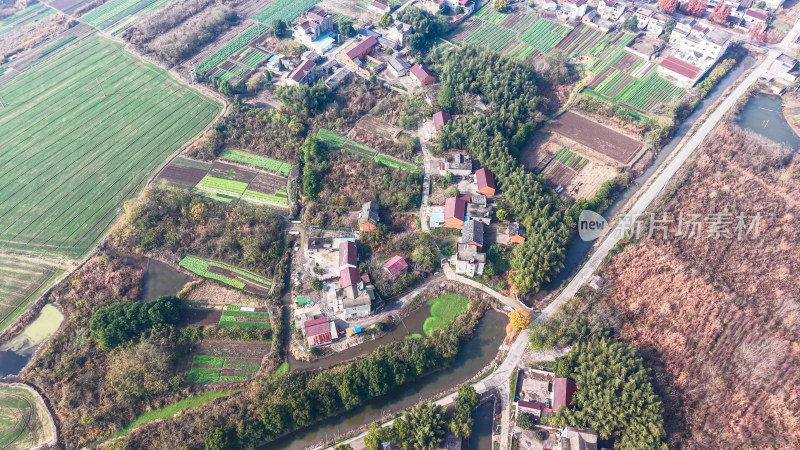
x,y
16,353
578,251
161,279
481,437
474,356
763,114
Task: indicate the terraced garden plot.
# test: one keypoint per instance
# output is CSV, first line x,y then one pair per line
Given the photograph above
x,y
557,174
74,150
183,172
491,36
226,274
112,12
337,142
285,10
256,160
226,361
543,34
231,48
233,316
649,92
267,189
598,137
22,280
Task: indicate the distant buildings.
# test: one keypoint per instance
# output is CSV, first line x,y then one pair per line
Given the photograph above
x,y
355,295
610,10
456,163
319,332
378,7
783,69
468,6
421,75
398,66
399,32
339,77
695,53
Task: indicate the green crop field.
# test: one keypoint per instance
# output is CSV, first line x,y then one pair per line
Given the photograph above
x,y
22,280
646,93
81,134
543,34
23,421
238,279
232,318
31,14
337,142
444,310
231,48
256,160
110,13
285,10
492,36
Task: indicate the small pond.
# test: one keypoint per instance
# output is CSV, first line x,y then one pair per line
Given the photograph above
x,y
763,114
16,353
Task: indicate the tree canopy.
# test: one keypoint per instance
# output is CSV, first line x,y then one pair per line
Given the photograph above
x,y
305,100
122,322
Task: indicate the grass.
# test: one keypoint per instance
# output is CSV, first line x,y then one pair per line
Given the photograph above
x,y
200,375
444,310
281,371
22,281
16,404
216,361
171,410
75,151
201,267
256,160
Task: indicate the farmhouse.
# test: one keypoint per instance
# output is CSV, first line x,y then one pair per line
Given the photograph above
x,y
378,7
755,16
455,210
516,233
572,9
656,24
304,73
577,438
320,331
355,56
339,77
456,163
399,32
433,6
610,10
485,180
395,265
643,14
355,296
563,390
398,66
706,48
421,75
466,5
783,68
440,119
368,218
472,233
479,213
313,30
348,255
469,260
684,73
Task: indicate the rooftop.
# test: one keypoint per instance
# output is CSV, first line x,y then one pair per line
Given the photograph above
x,y
362,48
440,119
348,253
485,178
470,252
302,70
421,72
348,277
395,265
681,67
455,207
472,231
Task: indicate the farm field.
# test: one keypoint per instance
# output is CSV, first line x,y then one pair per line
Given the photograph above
x,y
226,361
232,276
116,16
22,280
29,15
84,131
183,172
595,136
256,160
337,142
23,421
231,184
237,316
285,10
444,310
216,62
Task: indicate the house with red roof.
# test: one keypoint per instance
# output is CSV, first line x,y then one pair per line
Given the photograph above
x,y
348,254
378,7
355,57
305,73
421,75
455,210
467,6
563,390
485,180
683,72
755,16
395,265
319,332
440,119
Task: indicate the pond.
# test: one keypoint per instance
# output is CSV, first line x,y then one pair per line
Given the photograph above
x,y
763,114
161,279
16,353
474,355
481,437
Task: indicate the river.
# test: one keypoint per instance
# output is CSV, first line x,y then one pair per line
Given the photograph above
x,y
16,353
474,355
578,250
763,114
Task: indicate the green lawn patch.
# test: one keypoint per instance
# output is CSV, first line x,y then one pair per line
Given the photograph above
x,y
203,376
281,371
444,310
240,277
216,361
256,160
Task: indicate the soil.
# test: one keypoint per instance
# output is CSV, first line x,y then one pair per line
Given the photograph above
x,y
196,317
600,138
181,175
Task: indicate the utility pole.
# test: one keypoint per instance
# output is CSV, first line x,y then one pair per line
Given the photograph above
x,y
100,86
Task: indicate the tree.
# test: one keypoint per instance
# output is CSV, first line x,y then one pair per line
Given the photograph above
x,y
630,412
377,435
224,88
386,20
721,13
696,7
427,27
122,322
465,404
500,5
501,214
526,421
669,6
279,27
305,100
346,28
216,440
343,447
630,24
446,98
520,318
428,425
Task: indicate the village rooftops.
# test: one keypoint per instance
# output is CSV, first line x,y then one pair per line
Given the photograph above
x,y
318,331
317,14
440,119
717,36
455,207
756,14
378,6
681,67
485,180
348,254
472,232
362,48
302,70
577,2
563,390
395,265
349,276
422,74
471,253
369,213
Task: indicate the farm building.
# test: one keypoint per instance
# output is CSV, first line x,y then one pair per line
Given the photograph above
x,y
472,233
421,75
319,244
754,16
399,32
563,390
572,9
479,213
354,57
304,73
783,68
313,30
378,7
577,438
437,216
355,296
348,255
369,216
516,233
456,163
469,260
320,331
398,66
455,210
684,73
708,47
440,119
395,265
339,77
610,10
485,180
466,5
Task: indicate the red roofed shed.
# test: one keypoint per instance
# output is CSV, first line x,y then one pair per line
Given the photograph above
x,y
348,254
359,51
455,209
318,332
440,119
395,265
348,277
680,67
563,390
485,180
422,75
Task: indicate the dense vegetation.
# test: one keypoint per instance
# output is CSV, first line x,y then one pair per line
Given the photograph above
x,y
174,223
495,139
426,27
614,395
268,132
121,323
272,407
305,100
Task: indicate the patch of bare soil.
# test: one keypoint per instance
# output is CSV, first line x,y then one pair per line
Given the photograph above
x,y
214,293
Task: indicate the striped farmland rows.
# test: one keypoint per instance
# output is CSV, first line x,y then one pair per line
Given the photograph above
x,y
612,54
108,14
231,48
543,34
491,36
610,84
336,142
71,162
22,280
647,93
286,10
34,13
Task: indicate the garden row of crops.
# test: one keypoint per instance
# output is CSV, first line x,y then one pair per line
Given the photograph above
x,y
255,58
235,277
256,160
33,13
570,159
521,51
224,184
491,36
611,83
231,48
108,14
336,142
260,198
543,34
252,319
285,10
645,94
612,55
